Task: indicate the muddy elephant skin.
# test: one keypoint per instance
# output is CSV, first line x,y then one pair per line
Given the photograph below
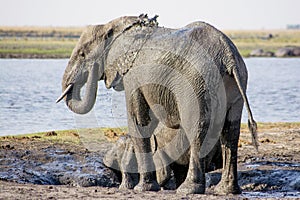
x,y
192,80
164,135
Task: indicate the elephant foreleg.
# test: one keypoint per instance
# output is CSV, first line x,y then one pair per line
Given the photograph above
x,y
146,166
141,125
127,162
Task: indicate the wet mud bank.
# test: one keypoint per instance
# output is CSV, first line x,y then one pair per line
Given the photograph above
x,y
34,168
43,163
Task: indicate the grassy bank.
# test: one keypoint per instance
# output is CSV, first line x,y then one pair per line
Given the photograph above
x,y
38,42
53,42
36,48
268,40
112,134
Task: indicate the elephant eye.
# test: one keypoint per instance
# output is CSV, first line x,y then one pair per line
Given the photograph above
x,y
81,54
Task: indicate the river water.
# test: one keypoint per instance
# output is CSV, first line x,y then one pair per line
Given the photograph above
x,y
29,88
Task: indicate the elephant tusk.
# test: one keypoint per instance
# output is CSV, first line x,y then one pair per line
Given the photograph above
x,y
67,90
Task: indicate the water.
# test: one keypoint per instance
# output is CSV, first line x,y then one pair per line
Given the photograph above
x,y
29,88
274,89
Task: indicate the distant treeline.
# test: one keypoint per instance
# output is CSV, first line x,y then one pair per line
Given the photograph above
x,y
293,26
35,34
29,32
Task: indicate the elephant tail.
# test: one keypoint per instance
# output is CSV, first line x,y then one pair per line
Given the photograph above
x,y
231,64
251,122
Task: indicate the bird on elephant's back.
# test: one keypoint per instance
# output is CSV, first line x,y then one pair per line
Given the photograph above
x,y
192,80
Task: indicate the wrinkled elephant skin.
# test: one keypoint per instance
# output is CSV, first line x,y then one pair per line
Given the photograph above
x,y
192,80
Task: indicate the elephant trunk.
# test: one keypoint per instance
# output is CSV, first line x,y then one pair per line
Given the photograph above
x,y
72,93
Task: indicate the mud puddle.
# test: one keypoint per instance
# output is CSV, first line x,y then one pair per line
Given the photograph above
x,y
273,172
53,164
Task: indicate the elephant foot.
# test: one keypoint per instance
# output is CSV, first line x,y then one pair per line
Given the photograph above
x,y
190,187
126,185
142,186
127,181
227,188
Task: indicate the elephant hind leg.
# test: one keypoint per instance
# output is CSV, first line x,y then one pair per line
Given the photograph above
x,y
229,142
195,179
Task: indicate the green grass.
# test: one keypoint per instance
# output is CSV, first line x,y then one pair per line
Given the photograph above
x,y
49,47
59,41
104,134
246,41
54,42
64,136
269,126
72,136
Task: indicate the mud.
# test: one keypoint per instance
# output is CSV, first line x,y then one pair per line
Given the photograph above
x,y
45,163
32,168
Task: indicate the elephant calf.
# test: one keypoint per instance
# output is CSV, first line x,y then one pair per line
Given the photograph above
x,y
123,151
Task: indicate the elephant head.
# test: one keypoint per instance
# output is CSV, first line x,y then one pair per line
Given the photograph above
x,y
87,64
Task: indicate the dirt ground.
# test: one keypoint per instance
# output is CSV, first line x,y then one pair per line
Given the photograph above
x,y
34,168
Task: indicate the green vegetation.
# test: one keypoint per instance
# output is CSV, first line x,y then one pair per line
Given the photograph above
x,y
53,42
35,42
65,136
269,126
48,48
73,136
112,134
268,40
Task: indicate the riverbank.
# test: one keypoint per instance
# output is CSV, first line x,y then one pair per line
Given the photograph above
x,y
58,42
59,164
38,42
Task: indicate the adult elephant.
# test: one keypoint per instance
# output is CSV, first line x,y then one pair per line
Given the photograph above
x,y
191,79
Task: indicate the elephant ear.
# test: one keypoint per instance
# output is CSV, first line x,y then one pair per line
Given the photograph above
x,y
112,78
115,71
